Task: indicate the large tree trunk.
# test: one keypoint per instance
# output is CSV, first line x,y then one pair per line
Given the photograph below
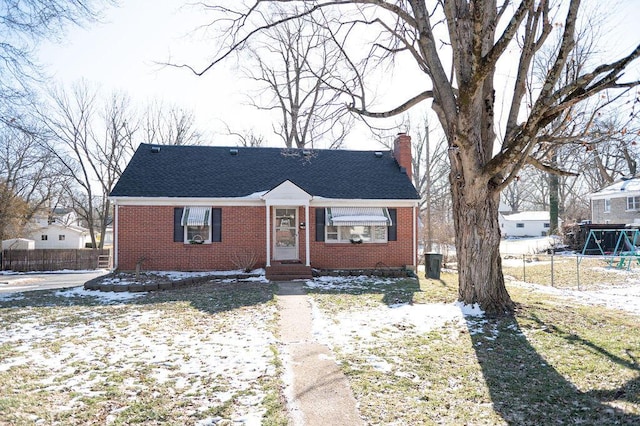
x,y
475,214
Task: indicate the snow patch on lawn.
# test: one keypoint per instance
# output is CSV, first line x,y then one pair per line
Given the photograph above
x,y
350,329
625,298
232,349
107,297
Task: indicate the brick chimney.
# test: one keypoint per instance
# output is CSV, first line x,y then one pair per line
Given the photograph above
x,y
402,153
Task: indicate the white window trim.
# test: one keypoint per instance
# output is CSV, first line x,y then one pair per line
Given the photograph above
x,y
206,240
340,241
635,202
607,205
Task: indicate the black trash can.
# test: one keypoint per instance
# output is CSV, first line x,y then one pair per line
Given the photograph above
x,y
432,262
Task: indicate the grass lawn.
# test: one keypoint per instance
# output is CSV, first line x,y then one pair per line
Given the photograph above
x,y
556,362
190,356
209,355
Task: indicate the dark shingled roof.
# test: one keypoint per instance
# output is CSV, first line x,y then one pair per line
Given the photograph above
x,y
214,172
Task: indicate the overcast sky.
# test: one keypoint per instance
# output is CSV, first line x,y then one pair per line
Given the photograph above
x,y
123,53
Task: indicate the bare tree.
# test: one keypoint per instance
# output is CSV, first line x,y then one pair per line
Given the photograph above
x,y
92,148
430,171
28,179
612,150
295,62
458,45
169,125
23,24
246,137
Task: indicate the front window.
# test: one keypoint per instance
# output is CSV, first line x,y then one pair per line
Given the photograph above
x,y
197,225
519,225
198,234
607,205
356,234
633,203
44,237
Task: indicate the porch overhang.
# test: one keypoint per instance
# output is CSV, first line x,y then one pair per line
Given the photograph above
x,y
287,194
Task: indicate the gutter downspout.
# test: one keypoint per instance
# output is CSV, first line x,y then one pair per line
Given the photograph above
x,y
116,207
268,209
415,238
306,235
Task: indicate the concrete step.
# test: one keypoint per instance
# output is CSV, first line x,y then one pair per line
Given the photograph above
x,y
288,272
287,277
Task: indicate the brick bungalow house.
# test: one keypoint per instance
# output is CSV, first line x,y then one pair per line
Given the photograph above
x,y
212,208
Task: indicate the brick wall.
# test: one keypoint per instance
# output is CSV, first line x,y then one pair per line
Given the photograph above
x,y
358,256
402,153
147,231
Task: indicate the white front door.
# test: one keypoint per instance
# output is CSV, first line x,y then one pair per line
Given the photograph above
x,y
285,231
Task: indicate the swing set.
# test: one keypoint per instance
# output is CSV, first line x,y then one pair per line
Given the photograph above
x,y
625,251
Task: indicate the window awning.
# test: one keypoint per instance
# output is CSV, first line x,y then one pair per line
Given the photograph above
x,y
195,216
358,216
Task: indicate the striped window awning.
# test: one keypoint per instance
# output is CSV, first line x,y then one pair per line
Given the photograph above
x,y
358,216
196,216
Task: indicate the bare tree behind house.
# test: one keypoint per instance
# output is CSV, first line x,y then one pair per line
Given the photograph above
x,y
23,24
28,176
612,151
294,64
458,46
247,137
92,147
163,124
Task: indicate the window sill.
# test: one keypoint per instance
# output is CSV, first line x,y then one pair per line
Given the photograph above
x,y
349,243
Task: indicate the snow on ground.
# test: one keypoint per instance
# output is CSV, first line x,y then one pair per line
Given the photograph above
x,y
60,271
234,346
350,329
515,246
257,275
232,349
625,298
107,297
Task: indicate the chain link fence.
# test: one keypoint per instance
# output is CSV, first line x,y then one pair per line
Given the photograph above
x,y
574,271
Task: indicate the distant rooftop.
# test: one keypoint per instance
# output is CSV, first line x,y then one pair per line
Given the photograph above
x,y
620,188
522,216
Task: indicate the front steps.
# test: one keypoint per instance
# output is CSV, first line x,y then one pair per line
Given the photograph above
x,y
279,271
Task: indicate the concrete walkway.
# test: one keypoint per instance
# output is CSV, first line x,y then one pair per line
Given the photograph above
x,y
321,394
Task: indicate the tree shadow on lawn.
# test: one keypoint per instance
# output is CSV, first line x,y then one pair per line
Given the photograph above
x,y
394,291
210,297
526,390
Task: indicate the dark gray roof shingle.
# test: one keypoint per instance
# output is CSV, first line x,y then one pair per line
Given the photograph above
x,y
213,172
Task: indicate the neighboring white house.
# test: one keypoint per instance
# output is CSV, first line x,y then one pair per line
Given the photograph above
x,y
525,224
57,236
58,231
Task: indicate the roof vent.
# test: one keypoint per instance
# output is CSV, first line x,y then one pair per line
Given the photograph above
x,y
378,154
155,149
233,151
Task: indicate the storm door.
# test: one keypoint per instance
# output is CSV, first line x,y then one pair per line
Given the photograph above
x,y
285,242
